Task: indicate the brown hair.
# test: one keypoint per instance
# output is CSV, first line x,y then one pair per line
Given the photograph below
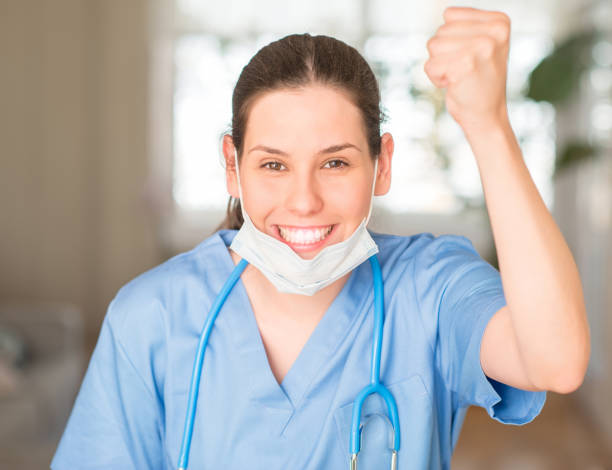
x,y
296,61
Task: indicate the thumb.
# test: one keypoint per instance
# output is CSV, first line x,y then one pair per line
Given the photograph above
x,y
436,69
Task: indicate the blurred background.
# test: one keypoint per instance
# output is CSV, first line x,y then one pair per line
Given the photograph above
x,y
111,114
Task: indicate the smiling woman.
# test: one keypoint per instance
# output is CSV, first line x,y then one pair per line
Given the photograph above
x,y
301,314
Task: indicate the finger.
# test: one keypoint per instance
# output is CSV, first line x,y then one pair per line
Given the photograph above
x,y
472,14
447,44
447,69
436,68
459,67
497,29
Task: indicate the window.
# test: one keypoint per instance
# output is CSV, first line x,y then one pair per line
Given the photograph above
x,y
434,169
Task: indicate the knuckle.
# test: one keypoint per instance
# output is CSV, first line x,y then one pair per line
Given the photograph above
x,y
431,44
469,63
430,68
501,30
487,45
442,29
505,18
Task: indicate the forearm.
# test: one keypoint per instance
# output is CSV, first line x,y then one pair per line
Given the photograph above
x,y
539,276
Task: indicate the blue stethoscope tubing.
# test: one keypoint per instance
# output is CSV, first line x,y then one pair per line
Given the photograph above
x,y
375,386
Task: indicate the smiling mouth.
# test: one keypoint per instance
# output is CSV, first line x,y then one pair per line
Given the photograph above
x,y
303,235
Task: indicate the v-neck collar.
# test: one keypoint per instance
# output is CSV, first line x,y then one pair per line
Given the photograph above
x,y
283,399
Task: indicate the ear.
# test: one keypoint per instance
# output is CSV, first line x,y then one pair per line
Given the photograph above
x,y
383,179
231,179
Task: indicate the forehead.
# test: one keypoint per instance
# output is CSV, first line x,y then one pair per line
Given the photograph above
x,y
312,116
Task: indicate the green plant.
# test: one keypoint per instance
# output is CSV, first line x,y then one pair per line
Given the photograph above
x,y
556,78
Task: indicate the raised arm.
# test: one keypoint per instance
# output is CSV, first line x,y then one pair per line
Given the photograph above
x,y
540,340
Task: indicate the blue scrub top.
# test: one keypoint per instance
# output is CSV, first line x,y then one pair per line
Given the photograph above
x,y
439,296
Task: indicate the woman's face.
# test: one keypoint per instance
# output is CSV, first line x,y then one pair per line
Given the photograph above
x,y
306,171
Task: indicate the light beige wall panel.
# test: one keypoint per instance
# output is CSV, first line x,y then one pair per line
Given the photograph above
x,y
127,229
20,147
63,161
73,148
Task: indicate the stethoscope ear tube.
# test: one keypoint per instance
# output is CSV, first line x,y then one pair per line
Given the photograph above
x,y
199,359
375,386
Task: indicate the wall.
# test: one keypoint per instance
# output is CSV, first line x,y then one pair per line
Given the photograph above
x,y
73,152
583,211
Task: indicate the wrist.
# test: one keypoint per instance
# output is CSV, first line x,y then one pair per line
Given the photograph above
x,y
491,142
484,125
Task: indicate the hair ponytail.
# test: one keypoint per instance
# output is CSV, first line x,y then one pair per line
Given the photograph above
x,y
233,217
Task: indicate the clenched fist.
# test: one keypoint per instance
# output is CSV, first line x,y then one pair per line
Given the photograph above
x,y
468,56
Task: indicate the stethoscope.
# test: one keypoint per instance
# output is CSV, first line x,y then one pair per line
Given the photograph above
x,y
375,386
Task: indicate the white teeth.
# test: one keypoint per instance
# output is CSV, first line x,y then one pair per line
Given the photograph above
x,y
304,237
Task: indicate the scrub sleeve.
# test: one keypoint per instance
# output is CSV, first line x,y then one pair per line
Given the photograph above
x,y
466,291
116,419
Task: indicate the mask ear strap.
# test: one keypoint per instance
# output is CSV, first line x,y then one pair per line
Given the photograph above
x,y
244,214
372,194
237,172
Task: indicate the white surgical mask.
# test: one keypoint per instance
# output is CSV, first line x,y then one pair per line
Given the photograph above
x,y
290,273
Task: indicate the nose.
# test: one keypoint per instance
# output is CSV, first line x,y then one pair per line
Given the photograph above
x,y
304,194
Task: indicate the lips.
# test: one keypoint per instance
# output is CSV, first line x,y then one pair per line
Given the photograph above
x,y
304,236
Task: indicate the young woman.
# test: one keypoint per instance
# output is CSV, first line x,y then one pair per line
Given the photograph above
x,y
300,333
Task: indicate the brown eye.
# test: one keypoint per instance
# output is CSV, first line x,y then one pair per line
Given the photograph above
x,y
274,166
335,164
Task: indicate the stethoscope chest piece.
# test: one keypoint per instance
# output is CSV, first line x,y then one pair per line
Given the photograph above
x,y
393,461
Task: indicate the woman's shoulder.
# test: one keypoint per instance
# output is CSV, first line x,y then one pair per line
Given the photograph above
x,y
421,247
155,289
425,261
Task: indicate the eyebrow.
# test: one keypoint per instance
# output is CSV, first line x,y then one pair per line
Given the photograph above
x,y
331,149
